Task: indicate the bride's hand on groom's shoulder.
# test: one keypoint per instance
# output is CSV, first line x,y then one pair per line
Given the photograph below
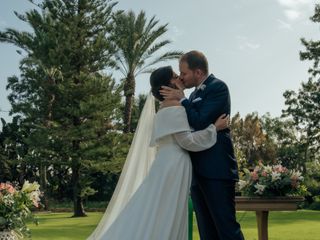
x,y
222,122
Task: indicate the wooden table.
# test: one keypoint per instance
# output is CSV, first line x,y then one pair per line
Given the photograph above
x,y
262,206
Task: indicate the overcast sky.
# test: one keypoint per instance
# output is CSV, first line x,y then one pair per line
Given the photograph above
x,y
253,45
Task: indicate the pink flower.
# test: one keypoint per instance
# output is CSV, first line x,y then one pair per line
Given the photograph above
x,y
8,187
263,180
254,176
35,203
280,169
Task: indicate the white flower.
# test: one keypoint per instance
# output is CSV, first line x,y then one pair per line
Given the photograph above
x,y
257,168
242,184
30,187
35,197
296,175
275,176
202,87
268,169
260,188
8,200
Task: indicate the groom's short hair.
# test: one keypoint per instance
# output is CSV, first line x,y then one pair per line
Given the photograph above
x,y
195,60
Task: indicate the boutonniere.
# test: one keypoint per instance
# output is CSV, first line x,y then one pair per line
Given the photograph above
x,y
202,87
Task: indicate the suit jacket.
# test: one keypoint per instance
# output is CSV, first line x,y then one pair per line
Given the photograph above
x,y
203,108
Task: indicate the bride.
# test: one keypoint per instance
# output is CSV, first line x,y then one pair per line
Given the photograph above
x,y
150,201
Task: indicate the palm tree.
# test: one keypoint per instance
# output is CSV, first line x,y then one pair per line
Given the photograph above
x,y
137,40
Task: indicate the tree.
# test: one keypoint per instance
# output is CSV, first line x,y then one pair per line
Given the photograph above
x,y
251,142
283,134
312,52
13,148
303,106
62,93
136,110
137,41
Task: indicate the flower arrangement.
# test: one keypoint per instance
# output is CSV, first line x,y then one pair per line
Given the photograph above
x,y
15,207
270,181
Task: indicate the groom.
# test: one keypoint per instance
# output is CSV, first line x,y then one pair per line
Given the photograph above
x,y
215,170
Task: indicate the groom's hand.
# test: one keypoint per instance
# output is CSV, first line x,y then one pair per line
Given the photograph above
x,y
171,93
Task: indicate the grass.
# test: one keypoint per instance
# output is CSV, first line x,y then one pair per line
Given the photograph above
x,y
300,225
61,226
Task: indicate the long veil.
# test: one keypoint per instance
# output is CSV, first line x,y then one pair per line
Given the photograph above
x,y
135,169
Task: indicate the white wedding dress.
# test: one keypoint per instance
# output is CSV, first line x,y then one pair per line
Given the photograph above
x,y
157,209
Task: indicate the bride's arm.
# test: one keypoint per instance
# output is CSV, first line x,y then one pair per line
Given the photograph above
x,y
203,139
197,141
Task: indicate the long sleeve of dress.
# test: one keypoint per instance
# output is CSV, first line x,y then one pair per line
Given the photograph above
x,y
198,140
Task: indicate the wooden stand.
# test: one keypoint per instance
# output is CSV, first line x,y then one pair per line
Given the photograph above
x,y
262,206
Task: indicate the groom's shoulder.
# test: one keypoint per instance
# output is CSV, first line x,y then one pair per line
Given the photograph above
x,y
215,83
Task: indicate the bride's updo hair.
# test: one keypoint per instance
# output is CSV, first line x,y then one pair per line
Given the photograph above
x,y
160,77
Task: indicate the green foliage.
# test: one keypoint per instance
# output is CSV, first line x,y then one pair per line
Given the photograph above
x,y
303,106
87,191
304,109
136,110
315,205
252,143
283,134
66,132
313,184
312,52
13,148
137,41
66,205
66,100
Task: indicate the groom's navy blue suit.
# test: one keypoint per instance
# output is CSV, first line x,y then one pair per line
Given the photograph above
x,y
215,170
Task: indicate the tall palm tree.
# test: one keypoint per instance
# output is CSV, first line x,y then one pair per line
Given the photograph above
x,y
137,41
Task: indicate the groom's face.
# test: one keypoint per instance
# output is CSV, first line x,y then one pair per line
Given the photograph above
x,y
187,76
176,82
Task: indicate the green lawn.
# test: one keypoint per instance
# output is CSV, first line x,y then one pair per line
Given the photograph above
x,y
301,225
60,226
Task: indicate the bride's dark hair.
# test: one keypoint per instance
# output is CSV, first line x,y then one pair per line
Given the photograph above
x,y
160,77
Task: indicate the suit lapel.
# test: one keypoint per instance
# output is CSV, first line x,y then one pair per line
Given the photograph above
x,y
198,93
209,79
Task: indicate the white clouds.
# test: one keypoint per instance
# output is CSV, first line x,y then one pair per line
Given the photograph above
x,y
293,3
292,14
245,43
284,25
297,9
252,45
